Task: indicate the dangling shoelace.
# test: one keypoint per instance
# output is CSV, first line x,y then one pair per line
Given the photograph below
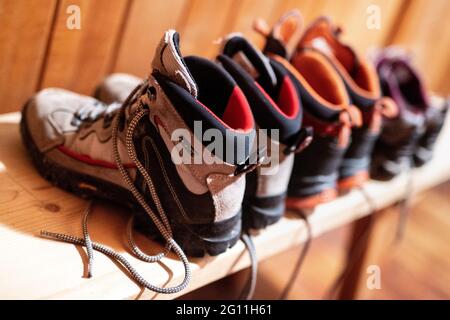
x,y
161,221
404,211
301,258
356,251
250,285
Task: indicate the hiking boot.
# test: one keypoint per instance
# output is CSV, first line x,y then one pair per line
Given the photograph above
x,y
362,84
326,108
277,111
130,153
400,136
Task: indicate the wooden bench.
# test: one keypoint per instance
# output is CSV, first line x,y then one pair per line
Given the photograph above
x,y
36,268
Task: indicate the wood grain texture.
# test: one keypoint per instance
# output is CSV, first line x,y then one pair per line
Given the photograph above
x,y
246,14
29,204
24,29
352,16
442,82
204,22
144,28
79,59
121,35
358,250
424,29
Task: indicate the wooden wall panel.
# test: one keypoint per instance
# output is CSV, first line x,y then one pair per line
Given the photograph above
x,y
24,30
351,15
204,22
425,30
145,26
442,83
78,59
37,50
246,14
306,7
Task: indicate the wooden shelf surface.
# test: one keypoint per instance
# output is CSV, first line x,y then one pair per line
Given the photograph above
x,y
36,268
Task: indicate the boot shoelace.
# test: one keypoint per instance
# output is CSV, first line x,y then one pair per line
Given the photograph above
x,y
250,285
357,251
91,246
301,258
161,221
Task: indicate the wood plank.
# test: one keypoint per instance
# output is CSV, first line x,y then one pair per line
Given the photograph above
x,y
353,18
442,85
25,27
304,6
248,11
79,59
424,30
352,15
29,204
145,26
205,22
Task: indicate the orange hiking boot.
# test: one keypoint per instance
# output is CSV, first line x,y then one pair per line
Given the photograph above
x,y
326,108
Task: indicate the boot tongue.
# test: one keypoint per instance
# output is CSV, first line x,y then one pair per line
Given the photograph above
x,y
169,62
250,59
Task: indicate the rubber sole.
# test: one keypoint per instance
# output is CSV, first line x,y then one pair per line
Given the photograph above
x,y
354,181
195,239
310,202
